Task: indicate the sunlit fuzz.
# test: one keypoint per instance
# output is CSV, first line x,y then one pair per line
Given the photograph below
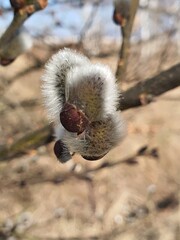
x,y
81,99
55,78
93,89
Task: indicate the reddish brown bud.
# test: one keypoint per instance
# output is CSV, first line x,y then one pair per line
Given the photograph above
x,y
61,151
118,19
28,7
17,4
43,3
5,62
93,158
72,119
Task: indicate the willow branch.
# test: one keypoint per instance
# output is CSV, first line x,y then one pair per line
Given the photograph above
x,y
23,9
144,92
30,141
126,29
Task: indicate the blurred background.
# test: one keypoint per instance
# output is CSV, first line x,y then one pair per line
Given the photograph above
x,y
131,198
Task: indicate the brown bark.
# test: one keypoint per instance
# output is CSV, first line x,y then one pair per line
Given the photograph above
x,y
22,10
30,141
144,92
126,30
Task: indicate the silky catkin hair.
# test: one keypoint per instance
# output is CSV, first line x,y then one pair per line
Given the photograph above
x,y
75,90
94,86
54,79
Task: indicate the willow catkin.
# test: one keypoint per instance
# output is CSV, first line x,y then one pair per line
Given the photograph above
x,y
81,99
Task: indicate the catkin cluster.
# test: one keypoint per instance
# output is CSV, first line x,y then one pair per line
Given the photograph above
x,y
81,99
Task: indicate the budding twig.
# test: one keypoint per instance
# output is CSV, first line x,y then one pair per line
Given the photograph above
x,y
126,24
22,10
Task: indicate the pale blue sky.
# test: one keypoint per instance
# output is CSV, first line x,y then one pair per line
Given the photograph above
x,y
73,19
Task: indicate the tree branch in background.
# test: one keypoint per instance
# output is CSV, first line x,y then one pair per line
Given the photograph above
x,y
140,94
22,146
144,92
88,23
124,14
22,10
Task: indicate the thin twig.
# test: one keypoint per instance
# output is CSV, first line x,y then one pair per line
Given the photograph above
x,y
22,11
144,92
33,140
88,23
126,30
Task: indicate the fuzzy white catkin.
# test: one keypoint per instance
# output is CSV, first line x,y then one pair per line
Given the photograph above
x,y
54,80
71,77
108,134
96,86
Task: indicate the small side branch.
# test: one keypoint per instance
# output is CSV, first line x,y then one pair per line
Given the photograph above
x,y
144,92
88,23
22,146
22,10
126,25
